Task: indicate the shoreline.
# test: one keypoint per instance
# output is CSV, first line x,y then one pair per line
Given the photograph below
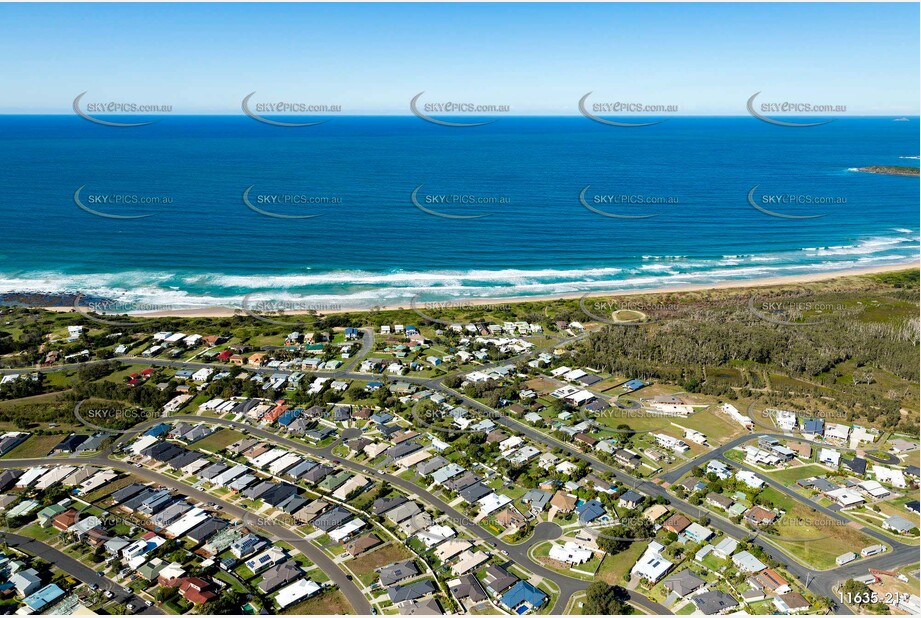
x,y
219,311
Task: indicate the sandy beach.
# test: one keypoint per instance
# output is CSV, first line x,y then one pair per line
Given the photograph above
x,y
221,311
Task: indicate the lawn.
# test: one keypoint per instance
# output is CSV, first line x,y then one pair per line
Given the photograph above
x,y
791,475
897,507
218,440
718,429
614,566
330,603
35,531
34,447
110,488
822,538
363,566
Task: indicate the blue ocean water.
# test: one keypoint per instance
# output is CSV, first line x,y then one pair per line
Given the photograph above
x,y
202,245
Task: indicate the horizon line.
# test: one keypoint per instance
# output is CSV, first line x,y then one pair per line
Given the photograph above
x,y
497,115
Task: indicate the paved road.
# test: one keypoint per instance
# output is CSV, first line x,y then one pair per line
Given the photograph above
x,y
518,553
77,570
896,545
819,582
673,475
351,591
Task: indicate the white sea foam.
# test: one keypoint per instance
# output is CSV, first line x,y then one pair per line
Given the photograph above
x,y
362,289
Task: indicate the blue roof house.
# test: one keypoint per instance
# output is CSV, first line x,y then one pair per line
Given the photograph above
x,y
157,430
632,385
814,425
44,597
523,597
589,511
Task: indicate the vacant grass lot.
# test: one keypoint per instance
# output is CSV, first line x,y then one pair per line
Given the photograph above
x,y
791,475
330,603
34,447
823,538
363,566
218,440
614,566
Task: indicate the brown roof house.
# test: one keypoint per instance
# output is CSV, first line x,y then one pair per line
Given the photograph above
x,y
565,503
760,516
357,547
676,523
65,520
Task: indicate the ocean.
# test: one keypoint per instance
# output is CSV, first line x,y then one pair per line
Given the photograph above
x,y
366,211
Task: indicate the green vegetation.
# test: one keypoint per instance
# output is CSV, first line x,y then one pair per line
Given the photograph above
x,y
855,352
789,476
35,446
891,170
219,440
606,600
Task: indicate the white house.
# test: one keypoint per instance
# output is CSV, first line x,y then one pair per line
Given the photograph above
x,y
570,552
829,457
786,419
737,416
651,566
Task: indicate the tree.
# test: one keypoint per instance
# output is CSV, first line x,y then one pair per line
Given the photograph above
x,y
614,540
605,600
227,602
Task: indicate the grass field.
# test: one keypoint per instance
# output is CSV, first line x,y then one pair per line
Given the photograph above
x,y
40,412
363,566
823,538
716,427
34,447
897,507
218,440
614,566
330,603
791,475
110,488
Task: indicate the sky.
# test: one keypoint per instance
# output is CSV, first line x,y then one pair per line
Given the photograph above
x,y
535,58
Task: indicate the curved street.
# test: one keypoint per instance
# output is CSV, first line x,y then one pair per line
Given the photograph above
x,y
821,583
